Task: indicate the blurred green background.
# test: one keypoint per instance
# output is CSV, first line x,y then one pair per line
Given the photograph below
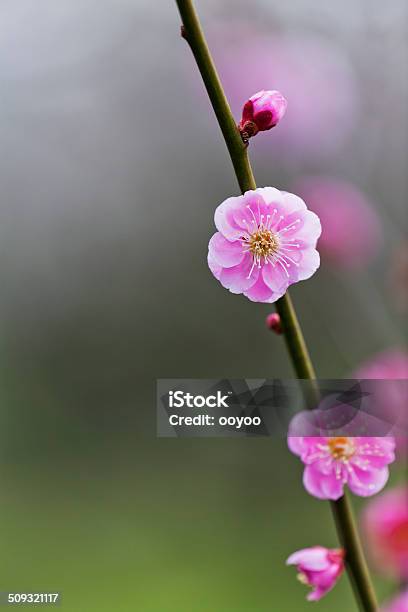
x,y
112,166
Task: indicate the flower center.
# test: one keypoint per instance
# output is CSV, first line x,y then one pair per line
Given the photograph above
x,y
262,244
341,448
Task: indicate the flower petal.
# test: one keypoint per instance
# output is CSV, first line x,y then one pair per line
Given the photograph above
x,y
378,451
215,268
367,482
318,593
309,263
296,444
239,278
271,196
301,225
311,228
320,485
259,292
224,252
277,277
224,218
314,558
253,213
292,202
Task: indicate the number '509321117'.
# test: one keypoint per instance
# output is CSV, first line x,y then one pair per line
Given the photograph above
x,y
41,598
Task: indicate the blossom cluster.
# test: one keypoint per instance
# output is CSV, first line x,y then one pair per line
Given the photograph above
x,y
330,464
266,240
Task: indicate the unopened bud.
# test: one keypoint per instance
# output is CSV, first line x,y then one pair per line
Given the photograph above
x,y
262,112
273,322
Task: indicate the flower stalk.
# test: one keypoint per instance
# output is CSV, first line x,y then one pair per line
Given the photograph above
x,y
191,30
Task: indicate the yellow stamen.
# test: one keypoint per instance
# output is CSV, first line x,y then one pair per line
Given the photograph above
x,y
303,578
341,448
263,243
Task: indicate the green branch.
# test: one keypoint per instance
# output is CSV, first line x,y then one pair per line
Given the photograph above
x,y
192,32
342,512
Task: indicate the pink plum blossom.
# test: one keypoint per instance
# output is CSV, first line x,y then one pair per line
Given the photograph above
x,y
330,463
351,234
385,524
262,112
318,568
265,242
398,604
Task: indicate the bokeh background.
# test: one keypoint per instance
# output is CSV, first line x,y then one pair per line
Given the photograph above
x,y
111,168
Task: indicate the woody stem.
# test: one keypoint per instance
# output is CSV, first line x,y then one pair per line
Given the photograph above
x,y
191,30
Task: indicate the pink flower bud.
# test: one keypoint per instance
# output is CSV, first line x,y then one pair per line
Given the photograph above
x,y
262,112
273,322
319,568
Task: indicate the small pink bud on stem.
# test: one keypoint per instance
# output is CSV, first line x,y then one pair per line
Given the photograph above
x,y
261,112
273,322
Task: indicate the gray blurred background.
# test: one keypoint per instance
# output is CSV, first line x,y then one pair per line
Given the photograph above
x,y
111,167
